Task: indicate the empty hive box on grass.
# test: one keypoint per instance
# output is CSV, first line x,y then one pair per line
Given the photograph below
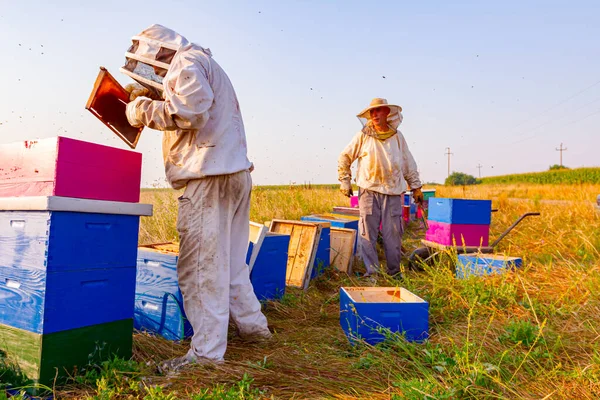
x,y
485,264
302,250
370,313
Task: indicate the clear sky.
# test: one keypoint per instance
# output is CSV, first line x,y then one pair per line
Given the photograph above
x,y
502,83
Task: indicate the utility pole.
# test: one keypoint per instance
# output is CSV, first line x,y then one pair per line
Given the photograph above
x,y
479,168
561,149
448,154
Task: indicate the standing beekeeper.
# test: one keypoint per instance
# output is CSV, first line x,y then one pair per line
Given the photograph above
x,y
385,165
191,99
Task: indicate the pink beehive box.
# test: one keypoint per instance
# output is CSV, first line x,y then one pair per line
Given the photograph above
x,y
67,167
458,234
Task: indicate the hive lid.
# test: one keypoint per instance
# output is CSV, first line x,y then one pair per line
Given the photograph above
x,y
58,203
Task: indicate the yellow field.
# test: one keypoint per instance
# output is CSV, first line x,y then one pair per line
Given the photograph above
x,y
529,334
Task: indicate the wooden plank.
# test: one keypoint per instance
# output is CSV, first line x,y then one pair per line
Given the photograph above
x,y
460,249
257,235
304,240
342,248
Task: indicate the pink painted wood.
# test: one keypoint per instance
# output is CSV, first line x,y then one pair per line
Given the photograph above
x,y
455,234
354,201
70,168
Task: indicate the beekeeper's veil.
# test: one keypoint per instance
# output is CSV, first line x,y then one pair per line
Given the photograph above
x,y
150,55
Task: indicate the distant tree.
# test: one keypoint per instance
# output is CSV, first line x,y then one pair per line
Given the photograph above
x,y
556,166
460,178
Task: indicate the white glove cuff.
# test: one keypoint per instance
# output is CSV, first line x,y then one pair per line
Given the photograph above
x,y
131,112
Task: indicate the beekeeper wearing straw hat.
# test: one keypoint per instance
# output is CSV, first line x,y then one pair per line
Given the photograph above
x,y
385,166
191,99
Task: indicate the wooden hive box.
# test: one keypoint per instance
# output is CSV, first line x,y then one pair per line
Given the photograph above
x,y
269,271
67,167
366,313
485,264
342,249
158,299
458,234
304,241
460,211
67,280
338,221
62,269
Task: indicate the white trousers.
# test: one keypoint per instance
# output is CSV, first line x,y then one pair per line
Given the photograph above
x,y
213,226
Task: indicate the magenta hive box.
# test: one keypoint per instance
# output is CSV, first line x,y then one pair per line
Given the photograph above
x,y
455,234
67,167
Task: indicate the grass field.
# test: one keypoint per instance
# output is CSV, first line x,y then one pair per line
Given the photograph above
x,y
530,334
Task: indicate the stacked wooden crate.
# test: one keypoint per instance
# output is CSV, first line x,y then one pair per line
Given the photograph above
x,y
459,222
69,223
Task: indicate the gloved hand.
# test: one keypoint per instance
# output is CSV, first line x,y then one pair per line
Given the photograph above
x,y
132,113
418,196
346,188
136,90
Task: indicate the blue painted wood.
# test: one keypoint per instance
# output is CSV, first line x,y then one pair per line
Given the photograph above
x,y
460,211
83,240
43,303
65,270
485,264
158,300
323,256
249,252
60,241
363,321
269,272
24,239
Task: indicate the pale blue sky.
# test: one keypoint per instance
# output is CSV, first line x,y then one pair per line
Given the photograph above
x,y
500,83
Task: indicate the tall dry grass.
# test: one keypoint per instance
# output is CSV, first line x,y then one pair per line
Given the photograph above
x,y
530,334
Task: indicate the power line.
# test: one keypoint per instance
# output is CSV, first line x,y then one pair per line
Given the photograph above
x,y
558,104
479,168
561,126
554,121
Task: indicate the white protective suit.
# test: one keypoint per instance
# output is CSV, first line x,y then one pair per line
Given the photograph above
x,y
204,149
383,166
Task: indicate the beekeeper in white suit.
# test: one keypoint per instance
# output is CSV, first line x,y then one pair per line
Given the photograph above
x,y
191,99
385,166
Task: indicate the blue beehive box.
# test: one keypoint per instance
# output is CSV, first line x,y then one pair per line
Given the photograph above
x,y
61,269
485,264
158,300
335,222
323,254
368,313
460,211
269,269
